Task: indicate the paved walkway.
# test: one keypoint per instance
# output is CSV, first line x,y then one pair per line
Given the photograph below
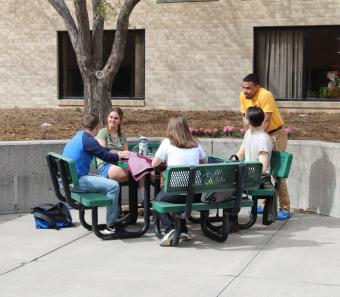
x,y
296,258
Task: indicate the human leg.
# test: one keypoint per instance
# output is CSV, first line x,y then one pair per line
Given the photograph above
x,y
165,218
167,221
117,173
114,172
96,183
279,141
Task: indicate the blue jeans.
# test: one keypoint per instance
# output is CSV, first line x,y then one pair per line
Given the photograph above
x,y
165,218
103,169
109,187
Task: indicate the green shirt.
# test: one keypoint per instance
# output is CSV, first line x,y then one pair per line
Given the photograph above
x,y
112,143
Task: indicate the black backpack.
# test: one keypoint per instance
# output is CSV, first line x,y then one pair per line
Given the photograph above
x,y
216,197
50,216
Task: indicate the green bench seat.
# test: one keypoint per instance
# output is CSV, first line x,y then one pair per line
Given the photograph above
x,y
64,177
280,165
262,192
234,177
91,199
166,207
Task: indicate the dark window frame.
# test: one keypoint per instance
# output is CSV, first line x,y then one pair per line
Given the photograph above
x,y
305,29
136,80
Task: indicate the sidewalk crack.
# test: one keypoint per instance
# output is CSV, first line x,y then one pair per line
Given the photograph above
x,y
43,255
252,259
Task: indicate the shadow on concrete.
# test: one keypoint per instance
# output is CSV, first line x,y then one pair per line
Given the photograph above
x,y
11,216
253,239
260,236
322,184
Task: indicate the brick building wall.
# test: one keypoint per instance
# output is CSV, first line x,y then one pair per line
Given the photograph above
x,y
196,53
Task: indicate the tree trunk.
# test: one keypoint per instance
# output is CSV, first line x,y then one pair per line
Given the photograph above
x,y
97,97
89,51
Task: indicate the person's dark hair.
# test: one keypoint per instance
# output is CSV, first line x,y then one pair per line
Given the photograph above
x,y
255,116
119,111
179,133
252,78
90,121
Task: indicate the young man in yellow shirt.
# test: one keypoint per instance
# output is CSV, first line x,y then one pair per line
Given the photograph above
x,y
254,95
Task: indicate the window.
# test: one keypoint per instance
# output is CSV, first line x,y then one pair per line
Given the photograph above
x,y
129,81
299,63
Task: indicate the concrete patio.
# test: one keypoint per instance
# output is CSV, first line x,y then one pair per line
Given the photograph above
x,y
295,258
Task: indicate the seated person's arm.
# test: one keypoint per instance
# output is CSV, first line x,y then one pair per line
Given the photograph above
x,y
264,159
203,158
240,153
203,161
102,141
156,161
101,137
160,154
92,147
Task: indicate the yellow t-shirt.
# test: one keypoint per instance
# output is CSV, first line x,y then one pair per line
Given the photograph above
x,y
264,99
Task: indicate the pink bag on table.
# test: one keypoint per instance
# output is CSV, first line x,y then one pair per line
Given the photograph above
x,y
139,165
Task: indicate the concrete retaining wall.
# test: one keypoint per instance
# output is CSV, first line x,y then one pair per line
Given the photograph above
x,y
24,178
313,182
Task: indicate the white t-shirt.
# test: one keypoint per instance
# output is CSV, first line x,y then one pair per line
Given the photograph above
x,y
255,142
179,156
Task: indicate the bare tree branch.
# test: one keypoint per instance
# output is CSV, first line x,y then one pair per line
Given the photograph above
x,y
117,52
89,49
84,44
97,37
62,9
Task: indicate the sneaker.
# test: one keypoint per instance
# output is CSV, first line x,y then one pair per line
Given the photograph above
x,y
185,236
168,238
283,214
109,230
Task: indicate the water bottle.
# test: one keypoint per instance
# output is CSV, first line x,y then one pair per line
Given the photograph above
x,y
143,145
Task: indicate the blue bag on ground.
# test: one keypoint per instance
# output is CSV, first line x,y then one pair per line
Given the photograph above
x,y
52,216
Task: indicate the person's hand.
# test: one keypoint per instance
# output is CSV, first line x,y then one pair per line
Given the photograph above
x,y
123,154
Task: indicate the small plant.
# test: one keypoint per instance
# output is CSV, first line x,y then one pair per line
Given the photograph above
x,y
288,130
78,109
204,132
230,131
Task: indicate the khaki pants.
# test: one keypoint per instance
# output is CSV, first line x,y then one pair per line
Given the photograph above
x,y
279,141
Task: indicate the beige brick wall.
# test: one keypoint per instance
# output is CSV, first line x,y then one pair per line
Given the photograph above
x,y
196,53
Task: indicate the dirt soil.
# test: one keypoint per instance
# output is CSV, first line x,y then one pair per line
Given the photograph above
x,y
30,124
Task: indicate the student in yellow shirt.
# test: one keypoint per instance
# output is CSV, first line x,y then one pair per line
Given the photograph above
x,y
254,95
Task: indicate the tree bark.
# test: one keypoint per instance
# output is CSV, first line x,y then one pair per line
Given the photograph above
x,y
97,38
97,80
96,95
117,53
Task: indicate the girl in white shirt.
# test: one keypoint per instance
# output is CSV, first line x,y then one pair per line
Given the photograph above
x,y
180,148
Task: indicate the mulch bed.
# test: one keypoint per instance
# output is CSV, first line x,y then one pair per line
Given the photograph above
x,y
26,124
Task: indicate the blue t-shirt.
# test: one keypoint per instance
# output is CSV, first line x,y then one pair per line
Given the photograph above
x,y
82,148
